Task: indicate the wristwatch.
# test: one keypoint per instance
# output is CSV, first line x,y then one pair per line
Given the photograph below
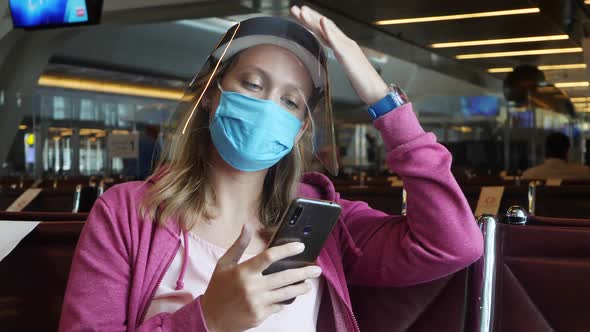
x,y
395,98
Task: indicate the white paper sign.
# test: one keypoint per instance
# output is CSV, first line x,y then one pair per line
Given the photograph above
x,y
553,182
489,200
24,199
11,233
124,145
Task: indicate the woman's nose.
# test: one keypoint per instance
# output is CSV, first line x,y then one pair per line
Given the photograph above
x,y
274,96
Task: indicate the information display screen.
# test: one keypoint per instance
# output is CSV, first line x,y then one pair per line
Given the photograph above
x,y
480,106
54,13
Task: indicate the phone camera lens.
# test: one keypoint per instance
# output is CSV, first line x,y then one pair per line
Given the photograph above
x,y
296,215
307,230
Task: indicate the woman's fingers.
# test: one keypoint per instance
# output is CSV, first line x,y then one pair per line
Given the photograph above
x,y
310,20
287,293
324,28
263,260
234,253
288,277
296,12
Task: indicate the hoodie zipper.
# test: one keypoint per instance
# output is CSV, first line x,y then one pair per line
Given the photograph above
x,y
341,298
151,298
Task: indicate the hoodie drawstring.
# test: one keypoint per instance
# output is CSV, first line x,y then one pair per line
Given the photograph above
x,y
349,240
180,281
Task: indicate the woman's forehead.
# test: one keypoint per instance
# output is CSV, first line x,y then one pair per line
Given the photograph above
x,y
279,63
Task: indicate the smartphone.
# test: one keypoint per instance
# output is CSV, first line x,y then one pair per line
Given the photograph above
x,y
309,221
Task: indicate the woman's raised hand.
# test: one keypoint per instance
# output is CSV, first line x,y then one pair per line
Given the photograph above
x,y
364,78
239,297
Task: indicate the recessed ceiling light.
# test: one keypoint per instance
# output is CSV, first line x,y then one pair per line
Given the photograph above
x,y
518,53
560,67
499,41
572,84
459,16
546,67
580,99
500,70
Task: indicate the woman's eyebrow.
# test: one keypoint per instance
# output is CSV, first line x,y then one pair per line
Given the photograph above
x,y
255,68
267,75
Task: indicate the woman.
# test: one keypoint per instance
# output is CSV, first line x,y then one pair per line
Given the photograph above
x,y
163,255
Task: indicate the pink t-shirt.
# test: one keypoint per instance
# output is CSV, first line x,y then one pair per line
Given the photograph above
x,y
301,315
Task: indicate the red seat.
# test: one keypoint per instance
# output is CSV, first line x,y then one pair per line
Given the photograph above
x,y
34,275
533,277
563,222
563,201
434,306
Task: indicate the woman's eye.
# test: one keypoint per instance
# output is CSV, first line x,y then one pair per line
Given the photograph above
x,y
251,86
290,103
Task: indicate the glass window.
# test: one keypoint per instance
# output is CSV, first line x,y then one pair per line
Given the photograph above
x,y
126,115
87,111
110,114
59,108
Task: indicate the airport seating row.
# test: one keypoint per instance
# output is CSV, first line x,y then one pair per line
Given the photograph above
x,y
532,277
566,200
58,182
541,200
66,198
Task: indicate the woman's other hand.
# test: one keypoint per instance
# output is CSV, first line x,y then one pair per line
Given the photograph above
x,y
364,78
239,297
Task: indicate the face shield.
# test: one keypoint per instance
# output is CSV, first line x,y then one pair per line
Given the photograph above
x,y
263,58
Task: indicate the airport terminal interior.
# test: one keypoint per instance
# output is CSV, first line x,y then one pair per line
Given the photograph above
x,y
87,96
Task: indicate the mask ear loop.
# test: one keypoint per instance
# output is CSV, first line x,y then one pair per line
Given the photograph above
x,y
219,85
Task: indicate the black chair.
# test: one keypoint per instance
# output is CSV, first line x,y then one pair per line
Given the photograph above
x,y
43,216
84,197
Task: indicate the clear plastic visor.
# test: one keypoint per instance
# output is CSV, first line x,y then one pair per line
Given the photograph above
x,y
282,67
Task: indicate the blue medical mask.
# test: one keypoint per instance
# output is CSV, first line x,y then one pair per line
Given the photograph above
x,y
252,134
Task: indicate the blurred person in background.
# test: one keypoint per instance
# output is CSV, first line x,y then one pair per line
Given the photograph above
x,y
556,165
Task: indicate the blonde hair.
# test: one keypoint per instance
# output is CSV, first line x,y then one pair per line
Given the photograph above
x,y
182,189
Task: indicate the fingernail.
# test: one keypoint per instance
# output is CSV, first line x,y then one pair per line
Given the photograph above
x,y
299,246
316,271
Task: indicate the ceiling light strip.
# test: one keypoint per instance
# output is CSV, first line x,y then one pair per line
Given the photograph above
x,y
500,70
580,99
561,67
544,68
459,16
499,41
108,87
572,84
518,53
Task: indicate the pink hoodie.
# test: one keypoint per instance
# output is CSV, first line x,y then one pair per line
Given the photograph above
x,y
120,258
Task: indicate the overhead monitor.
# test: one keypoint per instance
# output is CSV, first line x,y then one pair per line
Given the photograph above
x,y
37,14
480,106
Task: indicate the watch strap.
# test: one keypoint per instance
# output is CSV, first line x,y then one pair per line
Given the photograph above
x,y
394,99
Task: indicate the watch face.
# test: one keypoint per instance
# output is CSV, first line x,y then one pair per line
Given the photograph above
x,y
398,96
400,93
